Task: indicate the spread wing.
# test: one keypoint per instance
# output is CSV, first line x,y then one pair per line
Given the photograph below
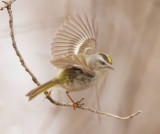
x,y
76,37
75,41
70,61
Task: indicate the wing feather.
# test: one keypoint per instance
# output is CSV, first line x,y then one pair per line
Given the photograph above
x,y
82,31
70,61
75,41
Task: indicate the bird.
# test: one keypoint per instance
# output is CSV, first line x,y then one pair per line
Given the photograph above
x,y
74,51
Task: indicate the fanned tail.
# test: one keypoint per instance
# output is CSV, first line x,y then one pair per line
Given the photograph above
x,y
42,88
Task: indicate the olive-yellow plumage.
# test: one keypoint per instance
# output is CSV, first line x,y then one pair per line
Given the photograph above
x,y
74,51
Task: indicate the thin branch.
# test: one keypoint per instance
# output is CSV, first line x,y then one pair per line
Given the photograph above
x,y
8,3
15,46
92,110
79,106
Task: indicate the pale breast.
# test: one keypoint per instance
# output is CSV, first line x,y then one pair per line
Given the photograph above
x,y
78,80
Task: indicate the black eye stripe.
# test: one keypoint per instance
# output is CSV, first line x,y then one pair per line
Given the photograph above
x,y
104,57
103,63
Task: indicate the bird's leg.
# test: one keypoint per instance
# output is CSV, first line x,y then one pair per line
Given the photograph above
x,y
77,103
49,93
74,103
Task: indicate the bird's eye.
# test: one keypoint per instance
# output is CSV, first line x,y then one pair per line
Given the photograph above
x,y
106,57
103,63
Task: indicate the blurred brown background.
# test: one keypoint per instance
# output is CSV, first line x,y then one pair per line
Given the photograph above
x,y
129,31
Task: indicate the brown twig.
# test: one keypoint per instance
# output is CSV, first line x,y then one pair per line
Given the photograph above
x,y
8,3
92,110
79,106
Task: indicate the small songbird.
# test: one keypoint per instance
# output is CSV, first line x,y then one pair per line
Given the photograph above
x,y
74,51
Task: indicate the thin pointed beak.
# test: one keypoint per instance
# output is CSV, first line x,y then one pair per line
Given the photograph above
x,y
110,67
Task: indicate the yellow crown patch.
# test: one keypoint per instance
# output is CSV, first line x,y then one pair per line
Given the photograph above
x,y
108,58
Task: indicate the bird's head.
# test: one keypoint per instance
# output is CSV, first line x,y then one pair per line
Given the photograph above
x,y
101,62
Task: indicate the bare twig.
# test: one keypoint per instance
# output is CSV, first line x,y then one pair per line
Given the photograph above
x,y
8,3
15,46
92,110
79,106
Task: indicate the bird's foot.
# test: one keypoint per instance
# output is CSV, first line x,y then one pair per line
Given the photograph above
x,y
77,103
47,95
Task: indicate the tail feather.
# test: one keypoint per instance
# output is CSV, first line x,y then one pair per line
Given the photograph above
x,y
42,88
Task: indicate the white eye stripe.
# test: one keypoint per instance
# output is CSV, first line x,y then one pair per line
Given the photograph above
x,y
106,58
